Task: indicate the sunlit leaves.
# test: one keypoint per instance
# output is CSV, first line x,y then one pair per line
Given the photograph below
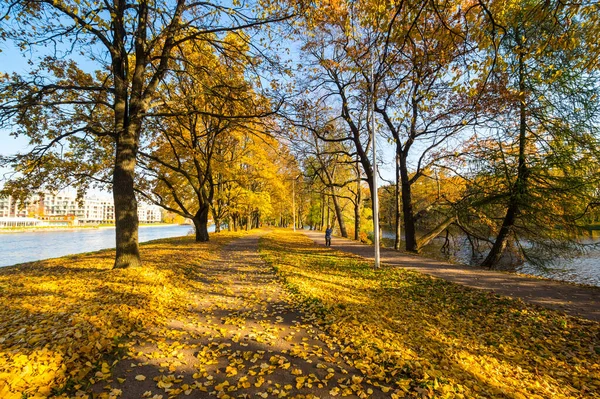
x,y
415,336
64,316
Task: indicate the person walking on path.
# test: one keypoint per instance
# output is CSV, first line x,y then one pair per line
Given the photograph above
x,y
328,232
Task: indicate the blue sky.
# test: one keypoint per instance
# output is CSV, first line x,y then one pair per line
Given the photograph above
x,y
12,61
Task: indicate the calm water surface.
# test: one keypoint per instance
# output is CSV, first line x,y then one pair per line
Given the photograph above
x,y
37,245
584,269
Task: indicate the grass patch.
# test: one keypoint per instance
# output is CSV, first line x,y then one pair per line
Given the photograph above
x,y
418,336
63,319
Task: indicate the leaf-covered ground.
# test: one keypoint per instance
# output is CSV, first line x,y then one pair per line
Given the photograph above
x,y
63,320
418,336
199,320
214,320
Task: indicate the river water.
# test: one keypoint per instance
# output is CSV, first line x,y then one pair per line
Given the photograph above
x,y
584,269
22,247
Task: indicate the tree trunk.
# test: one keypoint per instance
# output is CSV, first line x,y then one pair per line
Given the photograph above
x,y
322,212
407,208
201,223
518,190
216,219
338,213
126,217
426,239
328,212
397,214
248,221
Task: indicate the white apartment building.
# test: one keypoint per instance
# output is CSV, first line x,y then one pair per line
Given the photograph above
x,y
64,207
5,206
11,208
149,213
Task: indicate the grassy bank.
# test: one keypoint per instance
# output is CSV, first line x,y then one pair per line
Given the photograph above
x,y
417,336
63,320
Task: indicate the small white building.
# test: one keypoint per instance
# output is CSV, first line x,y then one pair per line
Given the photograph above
x,y
7,221
149,213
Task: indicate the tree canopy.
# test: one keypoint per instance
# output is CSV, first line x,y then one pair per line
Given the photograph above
x,y
491,106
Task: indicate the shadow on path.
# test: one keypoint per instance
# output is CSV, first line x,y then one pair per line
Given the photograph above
x,y
242,338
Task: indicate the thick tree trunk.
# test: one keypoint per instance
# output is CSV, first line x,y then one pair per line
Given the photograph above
x,y
407,208
201,224
126,217
518,190
248,221
216,219
397,213
501,242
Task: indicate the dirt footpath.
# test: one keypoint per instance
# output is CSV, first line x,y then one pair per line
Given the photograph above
x,y
576,300
244,339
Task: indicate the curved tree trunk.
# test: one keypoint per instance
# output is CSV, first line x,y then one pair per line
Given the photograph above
x,y
519,188
201,223
426,239
339,215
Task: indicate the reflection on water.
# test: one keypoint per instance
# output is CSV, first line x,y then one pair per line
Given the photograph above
x,y
584,269
36,245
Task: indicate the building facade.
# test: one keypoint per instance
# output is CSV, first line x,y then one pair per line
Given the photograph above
x,y
64,208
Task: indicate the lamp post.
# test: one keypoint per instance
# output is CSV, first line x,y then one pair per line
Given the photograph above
x,y
375,194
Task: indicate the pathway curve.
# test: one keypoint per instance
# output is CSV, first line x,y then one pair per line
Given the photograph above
x,y
243,340
573,299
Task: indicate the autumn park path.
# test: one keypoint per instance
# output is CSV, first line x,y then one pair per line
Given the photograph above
x,y
244,339
573,299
